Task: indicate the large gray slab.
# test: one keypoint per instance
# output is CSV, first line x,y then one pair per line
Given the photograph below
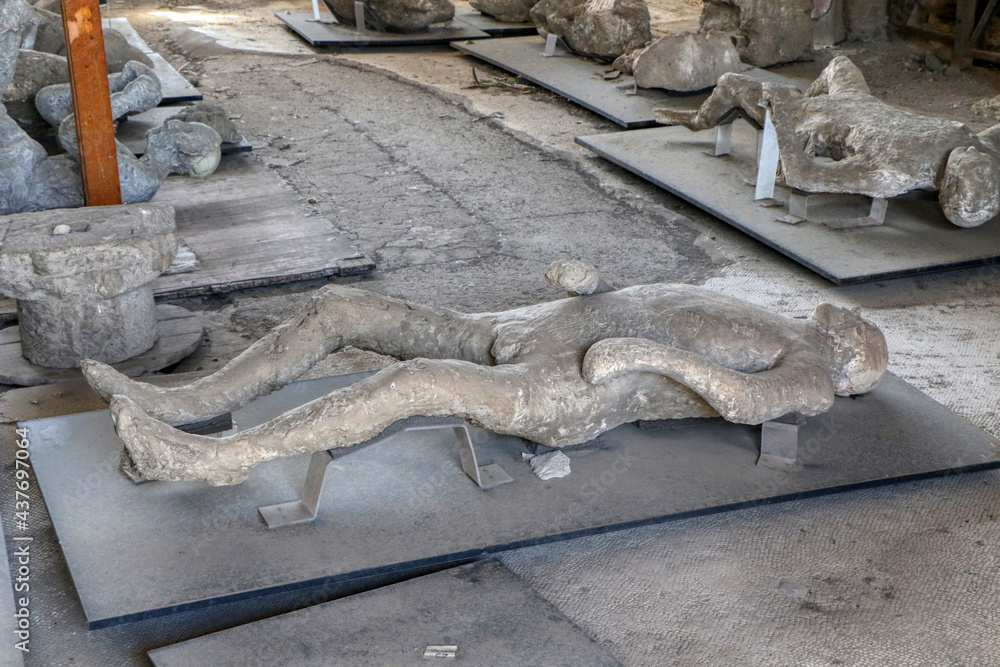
x,y
581,80
174,87
122,25
915,239
484,609
141,551
327,32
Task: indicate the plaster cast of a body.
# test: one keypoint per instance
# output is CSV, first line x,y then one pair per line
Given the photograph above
x,y
557,373
839,138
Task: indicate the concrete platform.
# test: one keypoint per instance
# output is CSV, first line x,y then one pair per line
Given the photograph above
x,y
581,80
405,504
483,609
327,32
915,239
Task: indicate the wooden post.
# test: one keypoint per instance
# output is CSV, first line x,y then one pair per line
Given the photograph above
x,y
965,24
88,75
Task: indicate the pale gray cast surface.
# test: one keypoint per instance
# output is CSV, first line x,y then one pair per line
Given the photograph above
x,y
558,373
600,28
685,62
766,32
395,15
839,138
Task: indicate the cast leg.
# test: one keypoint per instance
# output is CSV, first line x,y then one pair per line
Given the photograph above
x,y
797,383
839,77
492,397
333,318
735,93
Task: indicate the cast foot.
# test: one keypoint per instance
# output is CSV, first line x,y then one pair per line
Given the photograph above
x,y
158,451
675,117
106,381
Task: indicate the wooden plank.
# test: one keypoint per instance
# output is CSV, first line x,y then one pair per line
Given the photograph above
x,y
965,23
88,76
247,228
180,334
984,20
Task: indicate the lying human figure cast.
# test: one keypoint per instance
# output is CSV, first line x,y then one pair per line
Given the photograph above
x,y
557,373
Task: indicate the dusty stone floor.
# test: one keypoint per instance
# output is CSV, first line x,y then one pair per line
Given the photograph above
x,y
463,195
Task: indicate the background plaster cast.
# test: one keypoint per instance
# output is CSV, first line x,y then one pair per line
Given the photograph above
x,y
599,28
839,138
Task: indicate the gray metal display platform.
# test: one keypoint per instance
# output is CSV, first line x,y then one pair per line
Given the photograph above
x,y
495,27
122,25
327,32
132,131
174,87
915,239
403,504
581,80
483,610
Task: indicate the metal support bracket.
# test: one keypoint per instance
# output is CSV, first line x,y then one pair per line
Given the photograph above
x,y
304,510
359,17
779,441
767,162
798,211
550,45
487,476
723,140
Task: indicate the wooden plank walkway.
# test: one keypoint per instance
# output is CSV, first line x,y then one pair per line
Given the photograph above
x,y
246,228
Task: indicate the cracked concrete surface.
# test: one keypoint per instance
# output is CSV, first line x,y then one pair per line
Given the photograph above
x,y
464,208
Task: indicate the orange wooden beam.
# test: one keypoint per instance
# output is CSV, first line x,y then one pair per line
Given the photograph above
x,y
88,76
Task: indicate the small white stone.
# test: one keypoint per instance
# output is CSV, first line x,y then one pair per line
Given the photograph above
x,y
550,466
61,229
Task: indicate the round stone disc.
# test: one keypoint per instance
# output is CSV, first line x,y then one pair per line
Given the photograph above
x,y
180,334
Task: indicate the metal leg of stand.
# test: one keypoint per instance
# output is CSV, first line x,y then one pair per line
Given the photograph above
x,y
875,217
315,4
767,164
304,509
798,208
359,17
550,45
487,476
723,140
779,441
